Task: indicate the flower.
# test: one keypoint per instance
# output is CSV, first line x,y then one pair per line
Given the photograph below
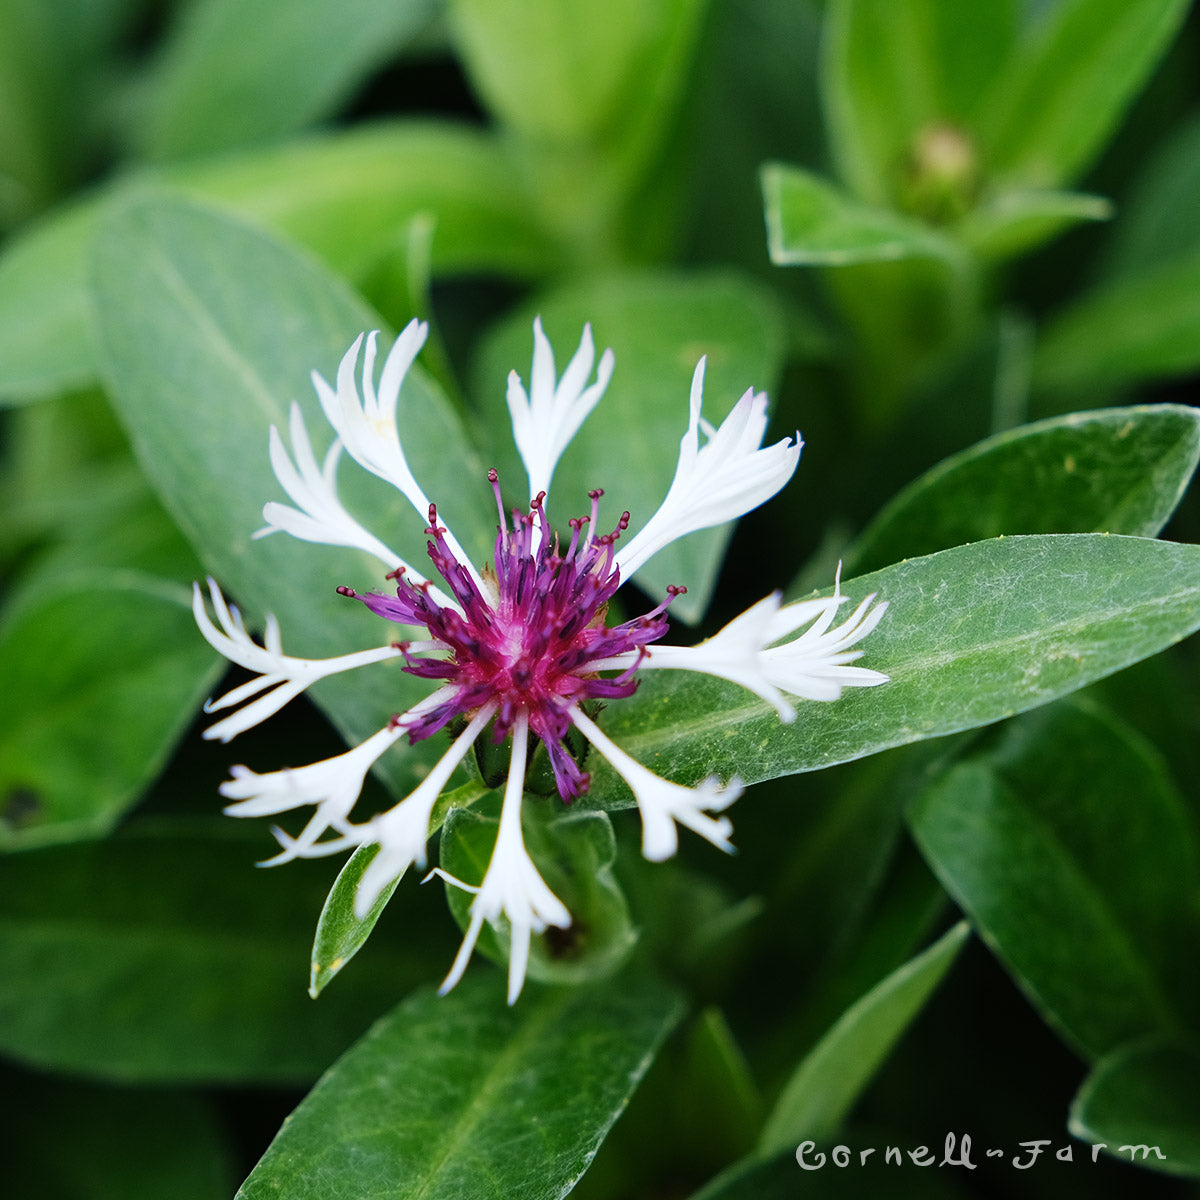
x,y
521,646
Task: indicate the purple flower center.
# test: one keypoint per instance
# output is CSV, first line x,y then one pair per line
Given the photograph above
x,y
529,645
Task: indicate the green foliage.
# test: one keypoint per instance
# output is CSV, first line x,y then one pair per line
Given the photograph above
x,y
957,245
463,1095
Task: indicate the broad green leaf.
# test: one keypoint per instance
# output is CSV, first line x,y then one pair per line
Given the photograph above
x,y
891,72
1125,332
824,1087
164,955
658,326
67,1139
1081,891
1014,221
1117,470
340,934
1067,84
221,84
373,181
1141,1102
464,1096
973,635
98,679
209,330
810,222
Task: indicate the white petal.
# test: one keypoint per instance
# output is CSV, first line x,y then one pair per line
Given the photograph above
x,y
365,419
288,676
546,418
512,887
402,831
663,803
717,482
319,515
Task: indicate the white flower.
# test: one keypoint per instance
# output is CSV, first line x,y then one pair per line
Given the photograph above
x,y
526,649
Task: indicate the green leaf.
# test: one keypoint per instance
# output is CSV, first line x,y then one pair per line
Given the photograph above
x,y
1117,470
891,71
464,1096
824,1087
1140,1097
659,326
810,222
373,181
121,960
221,84
570,72
209,329
973,635
1014,221
68,1139
45,325
1082,892
1124,332
98,679
1159,217
340,934
1067,84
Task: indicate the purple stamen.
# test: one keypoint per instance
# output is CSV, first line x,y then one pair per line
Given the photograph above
x,y
530,648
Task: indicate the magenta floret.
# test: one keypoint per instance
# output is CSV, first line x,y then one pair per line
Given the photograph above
x,y
530,646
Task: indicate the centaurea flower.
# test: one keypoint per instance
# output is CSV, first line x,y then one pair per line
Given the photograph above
x,y
522,645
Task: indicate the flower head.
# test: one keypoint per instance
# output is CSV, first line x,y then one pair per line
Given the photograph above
x,y
522,646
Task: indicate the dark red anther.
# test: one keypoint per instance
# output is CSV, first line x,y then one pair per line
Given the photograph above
x,y
347,591
674,590
397,574
493,475
595,493
395,721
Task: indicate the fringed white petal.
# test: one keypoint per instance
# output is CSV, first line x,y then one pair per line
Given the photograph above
x,y
319,515
813,666
512,887
364,418
402,831
719,481
332,785
545,419
287,676
662,803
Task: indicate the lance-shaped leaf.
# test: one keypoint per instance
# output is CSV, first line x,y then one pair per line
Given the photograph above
x,y
1117,470
824,1087
1141,1102
220,84
465,1096
973,635
1125,331
810,222
209,331
1083,892
1067,84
